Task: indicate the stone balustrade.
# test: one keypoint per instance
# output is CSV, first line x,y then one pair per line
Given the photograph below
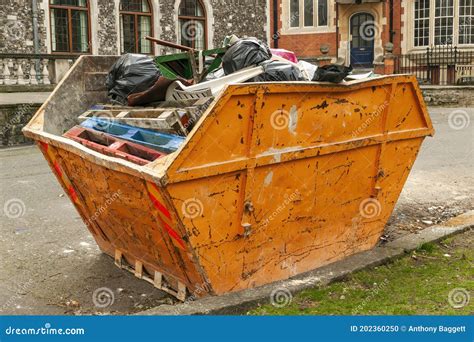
x,y
33,69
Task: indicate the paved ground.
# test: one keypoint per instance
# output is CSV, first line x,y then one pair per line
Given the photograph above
x,y
441,184
49,263
31,97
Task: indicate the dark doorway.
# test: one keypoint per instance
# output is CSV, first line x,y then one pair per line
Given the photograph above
x,y
363,32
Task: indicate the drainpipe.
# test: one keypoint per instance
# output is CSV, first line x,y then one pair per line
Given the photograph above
x,y
275,24
337,31
34,9
392,32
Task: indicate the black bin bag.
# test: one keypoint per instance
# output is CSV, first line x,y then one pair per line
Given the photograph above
x,y
276,71
132,73
332,73
245,53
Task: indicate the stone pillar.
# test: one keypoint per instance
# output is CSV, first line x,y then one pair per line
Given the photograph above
x,y
389,62
386,66
45,72
33,80
6,73
324,60
389,59
1,71
379,68
20,75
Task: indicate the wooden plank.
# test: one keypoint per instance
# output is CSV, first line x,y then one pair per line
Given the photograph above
x,y
167,120
138,269
123,114
118,258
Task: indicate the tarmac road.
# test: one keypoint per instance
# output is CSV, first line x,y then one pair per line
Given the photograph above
x,y
49,263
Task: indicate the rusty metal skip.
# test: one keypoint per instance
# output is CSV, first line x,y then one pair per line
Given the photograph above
x,y
275,179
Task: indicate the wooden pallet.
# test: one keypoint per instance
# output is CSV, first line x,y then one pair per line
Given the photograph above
x,y
164,120
158,279
178,119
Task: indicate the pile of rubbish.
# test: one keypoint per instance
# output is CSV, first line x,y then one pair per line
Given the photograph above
x,y
155,102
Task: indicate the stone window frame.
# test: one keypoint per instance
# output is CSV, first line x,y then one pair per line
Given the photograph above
x,y
69,8
286,28
432,21
203,19
136,15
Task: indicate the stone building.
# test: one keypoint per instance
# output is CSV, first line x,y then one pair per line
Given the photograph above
x,y
358,31
64,29
40,39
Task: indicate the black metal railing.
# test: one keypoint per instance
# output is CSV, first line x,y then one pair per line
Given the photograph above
x,y
439,65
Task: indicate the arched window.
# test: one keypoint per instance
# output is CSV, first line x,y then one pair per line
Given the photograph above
x,y
70,26
192,24
136,22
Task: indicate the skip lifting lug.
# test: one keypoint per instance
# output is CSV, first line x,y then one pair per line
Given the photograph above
x,y
248,207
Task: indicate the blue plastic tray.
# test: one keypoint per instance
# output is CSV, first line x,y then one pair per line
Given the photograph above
x,y
167,143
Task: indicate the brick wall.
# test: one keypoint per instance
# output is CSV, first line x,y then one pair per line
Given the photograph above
x,y
305,46
308,45
397,27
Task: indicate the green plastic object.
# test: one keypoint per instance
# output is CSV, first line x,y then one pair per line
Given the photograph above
x,y
172,66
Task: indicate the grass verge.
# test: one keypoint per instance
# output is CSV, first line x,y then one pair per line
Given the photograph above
x,y
433,280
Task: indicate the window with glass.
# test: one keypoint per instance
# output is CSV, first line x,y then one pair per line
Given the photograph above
x,y
308,13
422,22
443,22
69,26
322,12
192,24
466,22
136,22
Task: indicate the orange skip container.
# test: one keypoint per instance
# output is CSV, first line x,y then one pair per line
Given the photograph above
x,y
275,179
